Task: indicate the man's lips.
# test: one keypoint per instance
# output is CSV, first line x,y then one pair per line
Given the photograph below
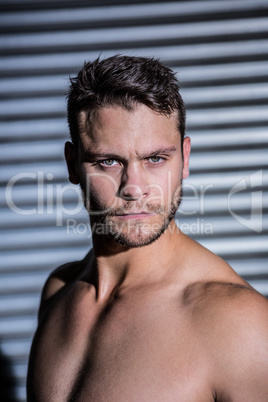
x,y
134,215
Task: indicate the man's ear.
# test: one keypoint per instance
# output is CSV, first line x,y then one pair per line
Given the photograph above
x,y
186,156
70,158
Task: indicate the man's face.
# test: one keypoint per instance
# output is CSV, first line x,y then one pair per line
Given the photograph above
x,y
130,168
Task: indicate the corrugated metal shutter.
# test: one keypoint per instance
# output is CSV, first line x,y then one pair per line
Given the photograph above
x,y
219,49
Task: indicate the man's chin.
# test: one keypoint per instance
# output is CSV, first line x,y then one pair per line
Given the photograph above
x,y
138,234
134,229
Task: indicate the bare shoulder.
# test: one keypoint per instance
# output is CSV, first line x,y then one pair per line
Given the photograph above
x,y
225,301
59,279
231,320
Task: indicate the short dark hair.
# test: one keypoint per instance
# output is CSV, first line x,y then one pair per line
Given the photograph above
x,y
124,81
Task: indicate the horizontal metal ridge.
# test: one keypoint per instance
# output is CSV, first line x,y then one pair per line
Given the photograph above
x,y
67,62
103,37
116,13
26,130
34,261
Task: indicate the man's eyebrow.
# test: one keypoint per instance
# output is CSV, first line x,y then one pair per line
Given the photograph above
x,y
101,155
158,151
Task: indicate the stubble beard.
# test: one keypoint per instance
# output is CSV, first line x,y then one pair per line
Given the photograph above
x,y
133,233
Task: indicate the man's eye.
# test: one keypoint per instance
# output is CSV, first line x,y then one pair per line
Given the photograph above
x,y
156,159
109,162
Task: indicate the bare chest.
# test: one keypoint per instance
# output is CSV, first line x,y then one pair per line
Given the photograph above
x,y
133,349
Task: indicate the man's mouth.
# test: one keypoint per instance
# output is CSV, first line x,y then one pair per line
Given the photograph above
x,y
135,215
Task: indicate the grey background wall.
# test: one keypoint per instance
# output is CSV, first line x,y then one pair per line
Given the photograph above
x,y
219,49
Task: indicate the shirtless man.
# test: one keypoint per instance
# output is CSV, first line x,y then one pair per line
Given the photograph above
x,y
148,314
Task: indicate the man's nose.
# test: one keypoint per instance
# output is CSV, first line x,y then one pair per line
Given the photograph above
x,y
134,184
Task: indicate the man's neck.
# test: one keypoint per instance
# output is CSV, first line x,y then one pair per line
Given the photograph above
x,y
115,265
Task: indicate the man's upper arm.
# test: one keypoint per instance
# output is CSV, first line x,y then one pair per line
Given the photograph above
x,y
242,356
255,345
